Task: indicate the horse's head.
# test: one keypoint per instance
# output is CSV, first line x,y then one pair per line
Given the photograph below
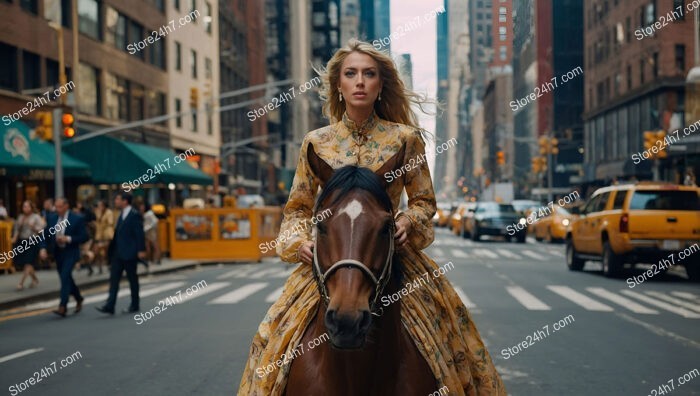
x,y
354,246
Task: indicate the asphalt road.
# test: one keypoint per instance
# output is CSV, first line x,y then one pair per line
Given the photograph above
x,y
613,340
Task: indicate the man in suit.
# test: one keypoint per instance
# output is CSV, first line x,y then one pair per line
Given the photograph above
x,y
125,249
65,232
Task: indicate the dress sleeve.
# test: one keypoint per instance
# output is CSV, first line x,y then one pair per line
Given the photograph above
x,y
419,188
296,224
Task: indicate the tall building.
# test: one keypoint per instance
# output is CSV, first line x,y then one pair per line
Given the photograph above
x,y
193,61
443,59
635,82
405,66
547,45
375,20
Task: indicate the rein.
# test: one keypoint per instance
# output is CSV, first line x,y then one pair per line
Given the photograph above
x,y
379,284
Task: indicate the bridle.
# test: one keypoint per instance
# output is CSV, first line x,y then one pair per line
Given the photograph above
x,y
379,284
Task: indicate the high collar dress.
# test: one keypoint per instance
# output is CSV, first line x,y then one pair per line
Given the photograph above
x,y
437,320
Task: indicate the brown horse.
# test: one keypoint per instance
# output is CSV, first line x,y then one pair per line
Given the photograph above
x,y
353,346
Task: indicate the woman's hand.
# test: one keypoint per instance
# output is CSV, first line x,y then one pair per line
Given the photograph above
x,y
306,253
403,228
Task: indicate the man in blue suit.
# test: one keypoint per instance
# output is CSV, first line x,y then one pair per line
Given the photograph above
x,y
65,232
127,246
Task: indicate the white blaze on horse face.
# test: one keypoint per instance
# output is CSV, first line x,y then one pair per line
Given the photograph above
x,y
353,210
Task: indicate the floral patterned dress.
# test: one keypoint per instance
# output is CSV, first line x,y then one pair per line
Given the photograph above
x,y
435,317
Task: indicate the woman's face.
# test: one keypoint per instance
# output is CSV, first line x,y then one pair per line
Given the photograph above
x,y
360,83
26,207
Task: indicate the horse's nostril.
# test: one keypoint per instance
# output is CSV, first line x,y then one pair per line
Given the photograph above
x,y
331,320
366,321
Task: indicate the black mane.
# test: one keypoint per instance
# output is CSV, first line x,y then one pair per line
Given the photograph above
x,y
351,177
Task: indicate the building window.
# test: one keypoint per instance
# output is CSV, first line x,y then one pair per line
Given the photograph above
x,y
30,6
155,105
628,29
178,56
89,18
52,78
208,20
193,63
655,65
194,121
157,55
503,52
629,77
178,110
193,5
678,10
136,35
641,71
115,24
210,121
650,13
208,69
31,65
117,98
88,90
137,102
680,58
176,4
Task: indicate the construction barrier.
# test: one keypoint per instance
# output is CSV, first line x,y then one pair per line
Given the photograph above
x,y
164,236
226,234
6,245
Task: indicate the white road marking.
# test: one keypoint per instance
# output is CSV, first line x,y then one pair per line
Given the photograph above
x,y
622,301
239,294
507,253
555,253
20,354
580,299
668,307
266,272
161,288
467,302
532,254
685,304
272,297
459,253
438,252
238,272
485,253
183,297
526,299
686,295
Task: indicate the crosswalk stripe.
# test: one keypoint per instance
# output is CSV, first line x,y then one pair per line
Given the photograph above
x,y
183,297
622,301
467,302
532,254
161,288
485,253
459,253
686,295
239,294
685,304
238,272
555,253
659,304
526,299
580,299
272,297
285,271
438,252
507,253
20,354
265,272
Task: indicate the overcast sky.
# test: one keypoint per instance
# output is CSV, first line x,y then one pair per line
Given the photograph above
x,y
421,43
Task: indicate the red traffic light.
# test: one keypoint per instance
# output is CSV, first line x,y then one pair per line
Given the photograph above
x,y
68,132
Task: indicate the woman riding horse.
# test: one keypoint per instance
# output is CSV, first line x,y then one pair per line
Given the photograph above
x,y
373,124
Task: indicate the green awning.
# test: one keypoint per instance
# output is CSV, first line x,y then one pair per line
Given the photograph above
x,y
114,161
23,155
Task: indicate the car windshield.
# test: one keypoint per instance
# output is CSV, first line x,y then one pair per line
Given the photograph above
x,y
495,208
665,200
563,211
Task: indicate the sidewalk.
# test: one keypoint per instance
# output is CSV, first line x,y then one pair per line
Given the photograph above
x,y
49,284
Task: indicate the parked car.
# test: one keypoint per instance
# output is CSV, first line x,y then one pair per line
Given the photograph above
x,y
457,219
635,223
554,226
493,218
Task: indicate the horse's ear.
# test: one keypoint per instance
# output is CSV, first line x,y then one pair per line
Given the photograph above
x,y
320,167
395,162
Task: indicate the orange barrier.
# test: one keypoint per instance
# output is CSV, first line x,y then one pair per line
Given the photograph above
x,y
6,245
164,236
226,234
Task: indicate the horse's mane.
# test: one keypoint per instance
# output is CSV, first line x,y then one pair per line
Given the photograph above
x,y
351,177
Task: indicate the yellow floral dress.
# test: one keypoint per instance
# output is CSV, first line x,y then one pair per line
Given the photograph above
x,y
437,320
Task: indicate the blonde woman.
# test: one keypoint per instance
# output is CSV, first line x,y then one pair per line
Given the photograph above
x,y
104,232
24,234
371,119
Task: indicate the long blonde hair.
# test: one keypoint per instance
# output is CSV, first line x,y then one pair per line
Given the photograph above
x,y
395,105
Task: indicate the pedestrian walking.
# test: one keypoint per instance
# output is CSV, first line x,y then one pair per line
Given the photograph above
x,y
87,257
65,233
150,229
127,246
48,209
25,234
3,210
104,232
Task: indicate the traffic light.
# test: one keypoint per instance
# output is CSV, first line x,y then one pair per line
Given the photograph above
x,y
67,122
501,158
194,97
44,128
548,145
543,145
539,164
660,138
554,145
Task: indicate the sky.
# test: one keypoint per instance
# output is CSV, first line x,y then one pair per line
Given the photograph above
x,y
421,43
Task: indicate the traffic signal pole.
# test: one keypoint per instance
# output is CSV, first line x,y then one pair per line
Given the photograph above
x,y
58,168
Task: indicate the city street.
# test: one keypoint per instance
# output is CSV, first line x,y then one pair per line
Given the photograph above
x,y
616,340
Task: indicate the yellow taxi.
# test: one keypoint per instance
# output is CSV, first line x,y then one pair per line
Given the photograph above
x,y
463,212
636,223
442,214
554,226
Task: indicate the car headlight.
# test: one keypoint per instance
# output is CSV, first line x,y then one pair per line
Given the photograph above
x,y
522,221
565,222
456,217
